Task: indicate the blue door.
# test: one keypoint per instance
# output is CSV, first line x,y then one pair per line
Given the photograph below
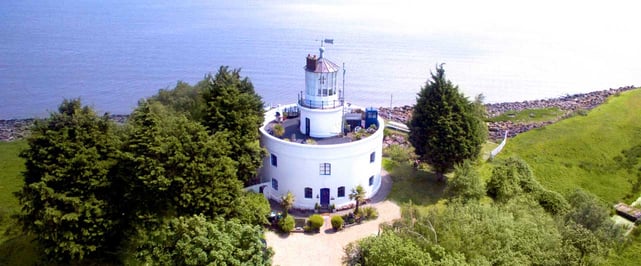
x,y
307,126
324,197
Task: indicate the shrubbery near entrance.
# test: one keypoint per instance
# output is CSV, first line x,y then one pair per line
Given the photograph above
x,y
337,222
286,224
315,222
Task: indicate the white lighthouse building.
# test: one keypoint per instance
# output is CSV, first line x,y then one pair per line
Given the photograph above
x,y
327,149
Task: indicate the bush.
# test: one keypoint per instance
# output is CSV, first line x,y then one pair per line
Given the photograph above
x,y
552,201
369,213
337,222
286,224
349,218
315,222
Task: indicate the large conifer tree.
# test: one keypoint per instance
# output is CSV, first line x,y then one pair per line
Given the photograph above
x,y
445,126
67,201
232,105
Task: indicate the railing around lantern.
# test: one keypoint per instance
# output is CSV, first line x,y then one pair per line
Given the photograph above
x,y
319,104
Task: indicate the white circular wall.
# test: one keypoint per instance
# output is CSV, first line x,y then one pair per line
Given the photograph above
x,y
298,166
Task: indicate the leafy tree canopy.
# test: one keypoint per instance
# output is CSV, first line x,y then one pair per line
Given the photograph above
x,y
446,128
67,201
232,105
194,240
466,184
173,166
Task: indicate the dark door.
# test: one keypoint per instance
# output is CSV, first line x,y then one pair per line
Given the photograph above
x,y
307,126
324,197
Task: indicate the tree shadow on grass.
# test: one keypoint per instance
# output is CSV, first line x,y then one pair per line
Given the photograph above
x,y
418,185
19,250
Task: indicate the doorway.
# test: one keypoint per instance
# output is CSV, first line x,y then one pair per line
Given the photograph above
x,y
324,197
307,126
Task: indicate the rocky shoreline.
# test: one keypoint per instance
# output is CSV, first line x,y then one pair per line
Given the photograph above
x,y
569,104
14,129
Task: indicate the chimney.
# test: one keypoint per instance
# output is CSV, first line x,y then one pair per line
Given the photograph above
x,y
311,63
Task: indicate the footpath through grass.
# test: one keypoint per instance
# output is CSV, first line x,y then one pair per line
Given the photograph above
x,y
581,152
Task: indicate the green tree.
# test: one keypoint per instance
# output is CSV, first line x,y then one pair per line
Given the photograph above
x,y
386,249
184,99
196,241
445,128
172,166
67,198
358,195
251,208
232,105
287,202
466,184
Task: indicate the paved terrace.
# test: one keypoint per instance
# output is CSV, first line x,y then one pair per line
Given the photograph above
x,y
291,126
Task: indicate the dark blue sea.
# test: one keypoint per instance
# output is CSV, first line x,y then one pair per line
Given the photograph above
x,y
111,53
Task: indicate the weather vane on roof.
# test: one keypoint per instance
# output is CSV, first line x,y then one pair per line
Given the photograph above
x,y
323,41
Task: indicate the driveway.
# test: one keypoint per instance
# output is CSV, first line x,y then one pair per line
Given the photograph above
x,y
326,247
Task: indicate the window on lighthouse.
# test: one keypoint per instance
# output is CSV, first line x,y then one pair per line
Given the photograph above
x,y
308,193
325,169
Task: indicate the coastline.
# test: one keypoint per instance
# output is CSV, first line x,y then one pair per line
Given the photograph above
x,y
15,129
569,104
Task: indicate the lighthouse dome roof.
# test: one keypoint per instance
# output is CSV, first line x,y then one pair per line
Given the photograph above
x,y
320,65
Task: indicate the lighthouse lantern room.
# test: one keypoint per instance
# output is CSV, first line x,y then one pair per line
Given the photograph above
x,y
319,104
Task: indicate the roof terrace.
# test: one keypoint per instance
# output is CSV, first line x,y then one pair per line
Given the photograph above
x,y
292,131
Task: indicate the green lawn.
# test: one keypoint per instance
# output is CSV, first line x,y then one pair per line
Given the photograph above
x,y
15,248
529,115
418,185
580,151
11,167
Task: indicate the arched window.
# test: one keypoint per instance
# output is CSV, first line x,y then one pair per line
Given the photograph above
x,y
341,192
308,192
372,157
274,160
274,184
371,180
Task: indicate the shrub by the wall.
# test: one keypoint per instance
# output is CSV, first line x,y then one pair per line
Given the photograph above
x,y
286,224
337,222
369,213
315,222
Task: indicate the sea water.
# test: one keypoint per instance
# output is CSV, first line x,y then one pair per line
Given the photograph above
x,y
112,53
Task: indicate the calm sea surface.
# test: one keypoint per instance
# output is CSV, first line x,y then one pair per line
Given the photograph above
x,y
112,53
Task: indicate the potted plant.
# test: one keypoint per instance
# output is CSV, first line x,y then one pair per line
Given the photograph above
x,y
332,207
317,207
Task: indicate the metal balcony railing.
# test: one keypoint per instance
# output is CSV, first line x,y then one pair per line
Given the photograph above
x,y
319,104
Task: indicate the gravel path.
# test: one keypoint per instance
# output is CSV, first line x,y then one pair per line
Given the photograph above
x,y
326,247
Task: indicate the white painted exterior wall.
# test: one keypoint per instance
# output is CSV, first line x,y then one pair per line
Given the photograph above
x,y
298,167
323,122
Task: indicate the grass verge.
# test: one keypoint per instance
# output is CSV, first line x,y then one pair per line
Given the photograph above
x,y
580,152
529,115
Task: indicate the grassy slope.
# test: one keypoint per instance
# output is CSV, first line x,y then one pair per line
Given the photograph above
x,y
15,249
530,115
11,167
579,152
